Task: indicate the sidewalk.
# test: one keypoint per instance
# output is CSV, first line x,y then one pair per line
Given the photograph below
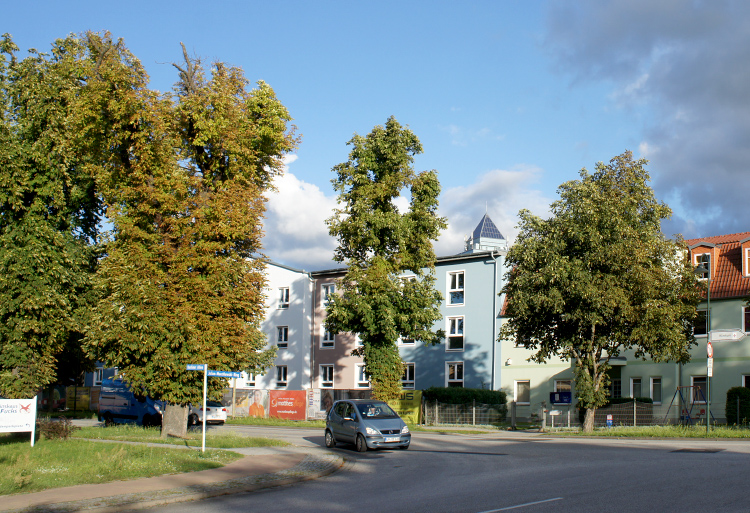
x,y
262,467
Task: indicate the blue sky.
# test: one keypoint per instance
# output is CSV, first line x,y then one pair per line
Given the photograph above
x,y
509,98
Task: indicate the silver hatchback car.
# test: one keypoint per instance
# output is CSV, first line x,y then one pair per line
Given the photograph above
x,y
367,423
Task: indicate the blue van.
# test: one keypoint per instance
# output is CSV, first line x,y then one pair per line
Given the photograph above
x,y
118,404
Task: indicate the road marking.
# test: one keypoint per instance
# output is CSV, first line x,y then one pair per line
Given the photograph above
x,y
522,505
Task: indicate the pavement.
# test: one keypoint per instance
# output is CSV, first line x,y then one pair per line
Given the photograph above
x,y
262,467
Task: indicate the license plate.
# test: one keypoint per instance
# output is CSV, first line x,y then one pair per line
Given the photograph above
x,y
392,439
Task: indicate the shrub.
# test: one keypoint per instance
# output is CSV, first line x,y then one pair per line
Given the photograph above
x,y
731,407
459,395
55,429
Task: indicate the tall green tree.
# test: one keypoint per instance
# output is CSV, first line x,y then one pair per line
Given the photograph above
x,y
49,212
379,245
598,278
184,177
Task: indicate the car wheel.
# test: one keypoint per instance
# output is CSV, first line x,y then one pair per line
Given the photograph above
x,y
330,441
108,420
361,444
192,419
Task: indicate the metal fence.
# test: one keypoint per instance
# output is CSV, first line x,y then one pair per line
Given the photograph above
x,y
473,414
624,414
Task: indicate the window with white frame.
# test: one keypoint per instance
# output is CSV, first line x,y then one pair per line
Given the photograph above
x,y
522,392
329,289
281,375
746,319
326,376
282,336
699,388
563,385
454,374
407,380
363,380
250,381
704,259
700,326
747,261
358,340
455,288
328,341
746,380
656,390
455,334
635,387
98,376
284,297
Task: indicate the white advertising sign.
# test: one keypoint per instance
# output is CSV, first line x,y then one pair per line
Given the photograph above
x,y
18,415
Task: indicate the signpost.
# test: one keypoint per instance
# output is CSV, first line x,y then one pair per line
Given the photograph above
x,y
18,415
206,373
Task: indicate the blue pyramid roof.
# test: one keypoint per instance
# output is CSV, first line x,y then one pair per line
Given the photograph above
x,y
486,228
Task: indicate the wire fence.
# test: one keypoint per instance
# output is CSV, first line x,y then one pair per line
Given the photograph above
x,y
631,414
436,413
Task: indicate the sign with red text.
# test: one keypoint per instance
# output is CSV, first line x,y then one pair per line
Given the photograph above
x,y
18,415
287,404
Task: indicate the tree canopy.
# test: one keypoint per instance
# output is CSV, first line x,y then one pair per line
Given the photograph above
x,y
49,215
380,245
183,176
598,278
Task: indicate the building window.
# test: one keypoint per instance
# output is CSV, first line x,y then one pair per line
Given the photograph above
x,y
704,259
747,261
522,392
615,387
700,328
563,385
406,341
250,381
656,390
635,387
363,380
358,341
329,289
284,297
281,375
407,380
699,390
329,339
456,288
454,374
746,380
455,334
746,319
98,376
326,376
282,336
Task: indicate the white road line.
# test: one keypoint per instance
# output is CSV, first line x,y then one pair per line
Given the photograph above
x,y
522,505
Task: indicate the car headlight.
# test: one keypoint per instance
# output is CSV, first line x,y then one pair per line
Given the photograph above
x,y
405,430
371,431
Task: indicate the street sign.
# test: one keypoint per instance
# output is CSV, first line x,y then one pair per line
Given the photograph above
x,y
224,374
710,367
731,335
195,366
709,349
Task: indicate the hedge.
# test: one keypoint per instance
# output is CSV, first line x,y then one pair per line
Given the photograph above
x,y
731,406
459,395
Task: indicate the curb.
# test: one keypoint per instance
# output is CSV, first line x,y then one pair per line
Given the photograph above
x,y
313,466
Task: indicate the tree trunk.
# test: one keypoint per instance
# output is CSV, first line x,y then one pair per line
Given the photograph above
x,y
174,421
588,420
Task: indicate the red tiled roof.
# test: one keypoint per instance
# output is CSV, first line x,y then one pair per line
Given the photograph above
x,y
727,281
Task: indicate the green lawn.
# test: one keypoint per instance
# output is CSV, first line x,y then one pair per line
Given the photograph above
x,y
273,421
662,432
131,433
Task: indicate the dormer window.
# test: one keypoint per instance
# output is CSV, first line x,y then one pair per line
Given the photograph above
x,y
703,260
746,260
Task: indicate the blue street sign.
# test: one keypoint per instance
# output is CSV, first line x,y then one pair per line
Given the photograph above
x,y
194,366
224,374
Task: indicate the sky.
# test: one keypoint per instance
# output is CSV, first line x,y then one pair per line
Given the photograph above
x,y
509,99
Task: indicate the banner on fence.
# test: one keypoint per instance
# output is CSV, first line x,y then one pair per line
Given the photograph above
x,y
18,415
287,404
408,405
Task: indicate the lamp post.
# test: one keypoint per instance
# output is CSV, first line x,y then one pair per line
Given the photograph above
x,y
704,269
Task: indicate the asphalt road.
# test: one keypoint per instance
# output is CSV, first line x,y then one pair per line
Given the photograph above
x,y
528,474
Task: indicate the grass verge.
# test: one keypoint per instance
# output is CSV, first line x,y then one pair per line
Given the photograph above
x,y
273,421
58,463
663,432
132,433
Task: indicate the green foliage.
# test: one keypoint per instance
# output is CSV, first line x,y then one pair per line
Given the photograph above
x,y
183,176
379,245
55,429
743,394
49,213
460,395
598,278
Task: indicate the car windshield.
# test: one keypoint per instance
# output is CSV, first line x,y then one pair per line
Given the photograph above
x,y
375,410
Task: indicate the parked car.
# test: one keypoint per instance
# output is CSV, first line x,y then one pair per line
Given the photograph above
x,y
118,404
367,423
216,414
